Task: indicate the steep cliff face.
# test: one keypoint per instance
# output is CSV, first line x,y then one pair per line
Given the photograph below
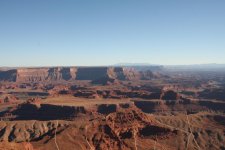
x,y
91,73
127,74
30,111
71,73
31,75
9,75
56,74
45,74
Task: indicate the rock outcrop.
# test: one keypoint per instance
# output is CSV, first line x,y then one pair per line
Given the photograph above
x,y
31,111
170,95
181,106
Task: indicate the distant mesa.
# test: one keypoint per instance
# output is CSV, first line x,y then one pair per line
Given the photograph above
x,y
98,75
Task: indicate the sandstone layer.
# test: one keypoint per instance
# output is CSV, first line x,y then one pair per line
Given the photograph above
x,y
73,73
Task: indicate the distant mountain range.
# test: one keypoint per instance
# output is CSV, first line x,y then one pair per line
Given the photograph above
x,y
135,64
197,67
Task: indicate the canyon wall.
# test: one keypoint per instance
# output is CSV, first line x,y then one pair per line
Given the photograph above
x,y
70,74
9,75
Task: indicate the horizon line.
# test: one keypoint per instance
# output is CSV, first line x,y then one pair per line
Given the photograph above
x,y
112,65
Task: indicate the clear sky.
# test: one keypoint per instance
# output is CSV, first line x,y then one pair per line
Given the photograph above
x,y
105,32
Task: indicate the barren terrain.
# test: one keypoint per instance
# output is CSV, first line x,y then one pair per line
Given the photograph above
x,y
99,108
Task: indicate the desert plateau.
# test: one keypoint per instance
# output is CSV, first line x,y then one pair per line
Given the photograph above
x,y
112,75
115,108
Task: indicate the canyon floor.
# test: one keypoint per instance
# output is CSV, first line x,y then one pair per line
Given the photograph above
x,y
100,109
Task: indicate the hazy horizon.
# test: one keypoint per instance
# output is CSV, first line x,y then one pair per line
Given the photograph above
x,y
120,64
103,33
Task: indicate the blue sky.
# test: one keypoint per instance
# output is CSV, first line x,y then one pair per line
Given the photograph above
x,y
105,32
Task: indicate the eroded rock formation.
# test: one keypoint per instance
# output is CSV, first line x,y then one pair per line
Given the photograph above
x,y
73,73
